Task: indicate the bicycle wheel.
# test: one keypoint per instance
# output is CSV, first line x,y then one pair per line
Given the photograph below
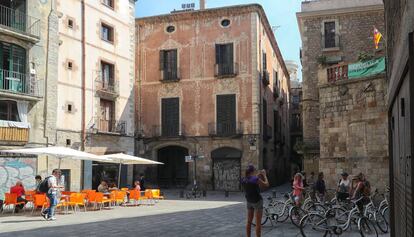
x,y
337,215
313,225
317,208
281,210
386,213
296,214
367,228
381,222
265,217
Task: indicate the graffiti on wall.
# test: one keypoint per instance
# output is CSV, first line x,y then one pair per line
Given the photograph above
x,y
17,169
227,174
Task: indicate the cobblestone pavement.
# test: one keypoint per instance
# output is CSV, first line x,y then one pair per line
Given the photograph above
x,y
211,216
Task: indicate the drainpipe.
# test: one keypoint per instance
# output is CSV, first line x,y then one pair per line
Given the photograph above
x,y
83,122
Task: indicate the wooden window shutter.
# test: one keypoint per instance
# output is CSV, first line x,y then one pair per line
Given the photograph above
x,y
226,114
230,54
162,64
218,54
170,117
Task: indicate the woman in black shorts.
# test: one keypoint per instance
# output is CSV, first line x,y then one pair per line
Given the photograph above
x,y
252,184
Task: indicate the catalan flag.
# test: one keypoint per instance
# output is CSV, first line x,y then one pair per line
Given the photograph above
x,y
377,37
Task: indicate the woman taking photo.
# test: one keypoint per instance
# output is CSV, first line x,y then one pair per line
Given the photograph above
x,y
252,183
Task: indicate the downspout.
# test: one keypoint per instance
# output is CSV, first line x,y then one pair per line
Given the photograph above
x,y
83,122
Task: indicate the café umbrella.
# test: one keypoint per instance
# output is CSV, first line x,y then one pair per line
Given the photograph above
x,y
58,152
124,159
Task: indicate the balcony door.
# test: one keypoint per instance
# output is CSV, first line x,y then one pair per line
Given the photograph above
x,y
170,117
12,67
226,115
107,70
224,59
107,115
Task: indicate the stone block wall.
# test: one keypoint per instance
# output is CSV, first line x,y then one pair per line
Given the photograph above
x,y
353,129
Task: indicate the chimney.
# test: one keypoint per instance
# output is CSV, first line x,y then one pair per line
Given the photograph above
x,y
202,4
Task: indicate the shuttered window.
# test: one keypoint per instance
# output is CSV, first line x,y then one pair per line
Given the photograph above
x,y
264,61
224,59
169,64
330,34
170,116
226,114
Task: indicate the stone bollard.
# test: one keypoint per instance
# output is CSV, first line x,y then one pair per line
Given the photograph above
x,y
181,193
226,193
204,193
274,193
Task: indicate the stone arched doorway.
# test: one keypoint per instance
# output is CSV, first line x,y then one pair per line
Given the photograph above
x,y
226,169
174,172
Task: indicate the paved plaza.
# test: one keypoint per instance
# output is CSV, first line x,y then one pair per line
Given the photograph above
x,y
214,215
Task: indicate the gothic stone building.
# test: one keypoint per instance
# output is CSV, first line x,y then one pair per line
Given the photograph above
x,y
344,120
213,84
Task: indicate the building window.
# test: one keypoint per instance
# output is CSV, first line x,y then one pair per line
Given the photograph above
x,y
108,3
264,61
69,65
330,35
8,111
107,33
70,23
12,67
169,65
226,115
69,108
225,23
68,142
106,120
170,117
224,60
107,75
170,29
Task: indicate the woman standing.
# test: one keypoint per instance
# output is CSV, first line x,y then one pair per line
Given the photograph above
x,y
252,184
297,188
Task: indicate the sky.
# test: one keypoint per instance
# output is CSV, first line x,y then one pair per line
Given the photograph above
x,y
281,13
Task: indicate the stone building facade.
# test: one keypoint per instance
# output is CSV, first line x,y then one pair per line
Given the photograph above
x,y
399,21
211,84
344,119
95,107
28,74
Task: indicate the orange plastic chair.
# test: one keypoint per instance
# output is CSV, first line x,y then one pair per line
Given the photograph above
x,y
149,197
100,200
134,195
76,200
156,194
39,201
29,196
124,189
11,200
120,197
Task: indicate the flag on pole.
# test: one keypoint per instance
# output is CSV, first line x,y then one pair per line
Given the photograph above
x,y
377,37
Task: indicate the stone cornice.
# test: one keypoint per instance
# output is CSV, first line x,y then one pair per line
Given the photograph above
x,y
219,12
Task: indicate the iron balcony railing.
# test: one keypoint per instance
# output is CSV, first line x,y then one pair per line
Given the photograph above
x,y
337,73
168,131
19,22
170,75
265,78
226,70
225,129
111,87
111,126
19,83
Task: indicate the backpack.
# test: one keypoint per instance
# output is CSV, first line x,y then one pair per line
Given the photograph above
x,y
44,186
366,190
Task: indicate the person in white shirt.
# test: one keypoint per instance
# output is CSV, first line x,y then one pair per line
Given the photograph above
x,y
52,194
344,187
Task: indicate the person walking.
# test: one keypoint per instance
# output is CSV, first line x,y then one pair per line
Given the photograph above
x,y
252,183
142,182
52,194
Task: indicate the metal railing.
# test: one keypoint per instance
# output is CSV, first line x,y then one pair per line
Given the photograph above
x,y
110,87
225,129
170,75
226,70
168,131
111,126
19,21
337,73
19,83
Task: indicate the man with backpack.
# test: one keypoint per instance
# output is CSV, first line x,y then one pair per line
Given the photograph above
x,y
51,187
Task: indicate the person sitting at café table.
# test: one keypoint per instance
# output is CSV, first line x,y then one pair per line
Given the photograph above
x,y
113,187
19,190
103,187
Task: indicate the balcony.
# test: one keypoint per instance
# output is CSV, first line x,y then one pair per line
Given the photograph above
x,y
14,136
18,84
337,73
17,23
111,126
267,132
168,131
107,90
265,78
225,129
170,75
226,70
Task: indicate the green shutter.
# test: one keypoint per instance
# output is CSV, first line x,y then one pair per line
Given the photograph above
x,y
226,114
170,116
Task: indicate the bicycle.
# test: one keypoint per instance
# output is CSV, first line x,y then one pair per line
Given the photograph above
x,y
193,193
376,214
335,222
